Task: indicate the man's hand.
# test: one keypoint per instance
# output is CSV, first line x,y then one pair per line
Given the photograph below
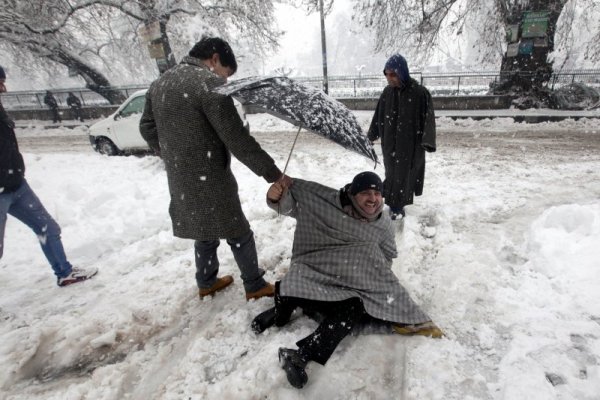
x,y
275,192
285,181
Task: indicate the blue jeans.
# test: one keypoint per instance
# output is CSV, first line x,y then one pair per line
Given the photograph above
x,y
244,252
25,206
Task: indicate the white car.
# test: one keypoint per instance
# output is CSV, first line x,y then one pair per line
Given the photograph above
x,y
120,132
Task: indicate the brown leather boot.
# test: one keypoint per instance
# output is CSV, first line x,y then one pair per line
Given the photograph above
x,y
268,290
219,285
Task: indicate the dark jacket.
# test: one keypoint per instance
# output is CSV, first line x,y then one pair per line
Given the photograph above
x,y
50,101
12,167
404,120
197,131
73,101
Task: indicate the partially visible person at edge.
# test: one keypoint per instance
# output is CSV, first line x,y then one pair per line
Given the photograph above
x,y
340,268
404,120
75,104
195,131
19,200
51,102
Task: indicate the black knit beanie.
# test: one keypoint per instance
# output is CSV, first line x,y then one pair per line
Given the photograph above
x,y
365,181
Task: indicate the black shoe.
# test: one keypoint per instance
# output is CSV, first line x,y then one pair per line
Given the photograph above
x,y
397,213
263,321
293,365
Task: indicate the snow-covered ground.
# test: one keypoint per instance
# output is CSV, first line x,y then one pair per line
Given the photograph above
x,y
502,250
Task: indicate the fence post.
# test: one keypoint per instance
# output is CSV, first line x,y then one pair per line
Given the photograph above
x,y
458,89
354,83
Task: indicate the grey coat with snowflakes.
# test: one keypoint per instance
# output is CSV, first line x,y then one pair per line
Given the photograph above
x,y
337,257
196,131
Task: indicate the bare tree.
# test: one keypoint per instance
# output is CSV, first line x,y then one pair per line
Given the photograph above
x,y
78,34
419,25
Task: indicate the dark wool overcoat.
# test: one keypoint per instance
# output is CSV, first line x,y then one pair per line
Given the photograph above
x,y
197,131
12,167
337,257
404,120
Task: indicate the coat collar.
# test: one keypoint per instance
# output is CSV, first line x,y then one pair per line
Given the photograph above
x,y
193,61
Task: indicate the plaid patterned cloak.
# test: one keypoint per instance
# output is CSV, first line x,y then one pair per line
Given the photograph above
x,y
336,257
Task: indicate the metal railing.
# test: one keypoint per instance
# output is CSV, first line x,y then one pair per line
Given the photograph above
x,y
441,84
34,99
367,86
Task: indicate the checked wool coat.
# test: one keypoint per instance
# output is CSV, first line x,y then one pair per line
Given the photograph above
x,y
196,131
337,257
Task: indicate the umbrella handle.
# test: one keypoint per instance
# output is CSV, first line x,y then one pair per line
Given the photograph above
x,y
292,149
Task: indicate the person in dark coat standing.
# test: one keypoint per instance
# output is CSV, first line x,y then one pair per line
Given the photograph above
x,y
341,268
75,104
51,102
19,200
196,131
404,120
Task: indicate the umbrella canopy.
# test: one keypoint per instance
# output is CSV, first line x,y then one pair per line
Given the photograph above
x,y
303,106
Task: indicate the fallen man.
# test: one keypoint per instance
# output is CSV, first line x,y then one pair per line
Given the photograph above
x,y
340,268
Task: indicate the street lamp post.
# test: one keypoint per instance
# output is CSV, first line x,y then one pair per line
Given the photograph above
x,y
324,49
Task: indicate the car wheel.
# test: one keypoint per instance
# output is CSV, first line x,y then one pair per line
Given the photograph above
x,y
105,146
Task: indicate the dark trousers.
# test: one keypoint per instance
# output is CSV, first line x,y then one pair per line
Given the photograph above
x,y
55,114
340,317
77,113
244,252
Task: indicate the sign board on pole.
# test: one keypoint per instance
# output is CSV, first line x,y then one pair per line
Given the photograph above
x,y
526,47
162,64
150,31
535,24
540,42
156,50
512,50
512,33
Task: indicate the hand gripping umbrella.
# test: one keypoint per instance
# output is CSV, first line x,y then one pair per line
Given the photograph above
x,y
303,106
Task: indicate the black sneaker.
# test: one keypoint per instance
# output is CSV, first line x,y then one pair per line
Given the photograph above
x,y
77,275
293,364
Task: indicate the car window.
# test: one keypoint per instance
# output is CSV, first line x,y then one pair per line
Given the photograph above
x,y
135,106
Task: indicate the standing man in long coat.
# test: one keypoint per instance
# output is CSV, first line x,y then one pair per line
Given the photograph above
x,y
195,131
404,120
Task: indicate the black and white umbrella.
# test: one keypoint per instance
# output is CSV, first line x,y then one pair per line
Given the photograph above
x,y
303,106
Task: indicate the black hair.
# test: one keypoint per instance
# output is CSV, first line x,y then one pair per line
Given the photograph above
x,y
207,46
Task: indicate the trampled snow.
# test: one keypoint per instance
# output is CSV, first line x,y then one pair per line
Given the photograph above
x,y
501,250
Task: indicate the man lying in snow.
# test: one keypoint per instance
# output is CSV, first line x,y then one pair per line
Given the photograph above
x,y
341,268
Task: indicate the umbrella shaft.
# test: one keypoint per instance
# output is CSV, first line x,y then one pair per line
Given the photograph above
x,y
292,149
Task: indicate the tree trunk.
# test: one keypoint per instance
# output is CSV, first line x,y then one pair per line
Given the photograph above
x,y
530,30
94,80
164,37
